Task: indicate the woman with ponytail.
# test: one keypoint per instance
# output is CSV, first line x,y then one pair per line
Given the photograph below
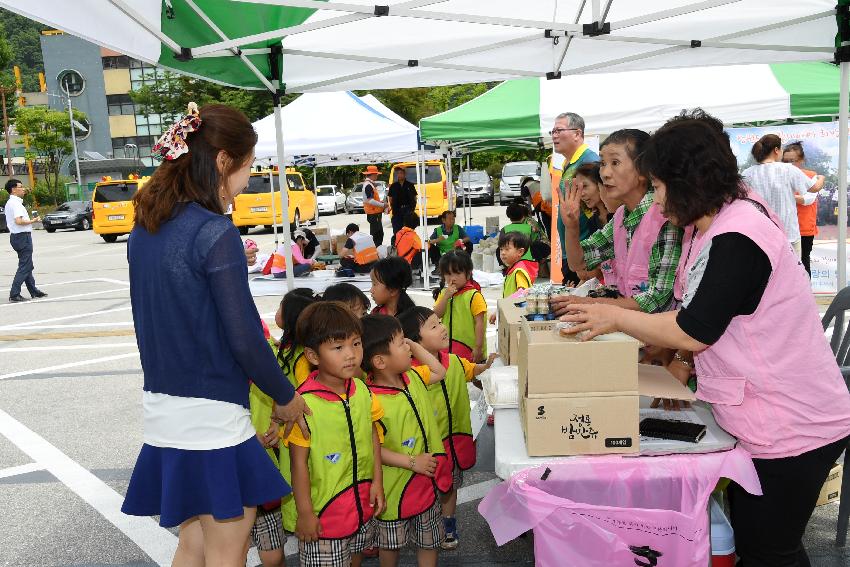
x,y
200,341
778,183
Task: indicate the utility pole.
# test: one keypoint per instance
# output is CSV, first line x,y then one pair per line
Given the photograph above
x,y
9,171
73,137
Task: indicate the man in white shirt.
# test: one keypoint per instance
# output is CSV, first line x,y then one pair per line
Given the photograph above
x,y
20,229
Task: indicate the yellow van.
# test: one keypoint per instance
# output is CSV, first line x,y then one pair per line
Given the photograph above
x,y
112,206
253,207
435,185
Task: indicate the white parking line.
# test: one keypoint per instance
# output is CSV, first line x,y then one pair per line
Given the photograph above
x,y
24,327
159,543
69,365
20,469
68,347
65,317
49,299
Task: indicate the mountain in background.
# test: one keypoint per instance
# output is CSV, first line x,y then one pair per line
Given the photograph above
x,y
23,36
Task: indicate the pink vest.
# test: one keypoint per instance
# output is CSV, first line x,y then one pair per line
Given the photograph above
x,y
632,272
772,379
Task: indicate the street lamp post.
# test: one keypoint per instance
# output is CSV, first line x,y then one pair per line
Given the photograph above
x,y
73,135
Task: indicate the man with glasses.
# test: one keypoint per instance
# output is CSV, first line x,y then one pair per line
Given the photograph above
x,y
20,236
568,140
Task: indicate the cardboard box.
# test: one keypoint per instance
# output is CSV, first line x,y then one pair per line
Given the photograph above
x,y
553,365
831,491
594,425
510,323
322,233
579,425
339,243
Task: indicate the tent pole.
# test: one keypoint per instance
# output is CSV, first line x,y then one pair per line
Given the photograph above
x,y
423,218
274,209
468,197
844,98
316,193
284,191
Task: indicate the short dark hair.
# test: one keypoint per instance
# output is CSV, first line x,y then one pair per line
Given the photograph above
x,y
446,213
516,239
346,293
325,321
795,147
456,262
411,220
395,273
765,146
352,227
11,184
293,304
378,332
632,138
517,210
412,321
695,161
591,171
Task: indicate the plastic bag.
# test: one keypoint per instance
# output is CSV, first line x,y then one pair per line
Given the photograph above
x,y
589,511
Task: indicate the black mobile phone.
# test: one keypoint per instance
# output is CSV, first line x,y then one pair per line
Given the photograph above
x,y
672,429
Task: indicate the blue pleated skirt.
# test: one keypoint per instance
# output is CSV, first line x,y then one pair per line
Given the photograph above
x,y
177,484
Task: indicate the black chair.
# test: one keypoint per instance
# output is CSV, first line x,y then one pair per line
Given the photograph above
x,y
840,343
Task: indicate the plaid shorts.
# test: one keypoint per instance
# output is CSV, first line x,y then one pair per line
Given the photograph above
x,y
336,552
425,531
267,533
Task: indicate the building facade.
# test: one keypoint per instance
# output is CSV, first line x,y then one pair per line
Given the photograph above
x,y
100,81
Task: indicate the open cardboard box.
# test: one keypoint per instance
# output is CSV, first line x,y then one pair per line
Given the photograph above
x,y
553,365
511,318
580,424
831,490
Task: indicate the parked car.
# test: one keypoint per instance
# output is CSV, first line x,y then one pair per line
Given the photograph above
x,y
479,187
3,227
354,201
512,175
70,214
330,199
434,183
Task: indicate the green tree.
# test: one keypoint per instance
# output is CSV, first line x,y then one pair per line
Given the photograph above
x,y
24,36
171,95
49,133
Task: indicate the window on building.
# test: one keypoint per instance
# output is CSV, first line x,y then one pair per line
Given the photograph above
x,y
71,82
116,62
120,104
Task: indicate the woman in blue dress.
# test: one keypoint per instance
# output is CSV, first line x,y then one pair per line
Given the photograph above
x,y
201,344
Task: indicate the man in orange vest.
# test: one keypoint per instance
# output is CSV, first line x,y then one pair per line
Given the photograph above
x,y
359,252
373,205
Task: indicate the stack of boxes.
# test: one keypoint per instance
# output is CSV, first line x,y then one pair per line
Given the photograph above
x,y
576,397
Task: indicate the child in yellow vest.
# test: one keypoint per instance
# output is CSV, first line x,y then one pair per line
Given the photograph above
x,y
450,401
462,307
272,518
520,273
414,464
337,479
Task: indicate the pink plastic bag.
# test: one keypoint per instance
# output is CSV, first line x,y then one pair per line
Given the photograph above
x,y
645,511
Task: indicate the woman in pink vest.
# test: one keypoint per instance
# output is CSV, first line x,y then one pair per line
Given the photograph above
x,y
644,244
749,316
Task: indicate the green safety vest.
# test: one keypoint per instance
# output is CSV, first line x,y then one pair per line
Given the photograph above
x,y
451,238
341,457
450,400
509,286
410,429
524,228
459,321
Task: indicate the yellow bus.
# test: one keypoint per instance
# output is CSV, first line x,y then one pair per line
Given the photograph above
x,y
112,206
253,207
434,183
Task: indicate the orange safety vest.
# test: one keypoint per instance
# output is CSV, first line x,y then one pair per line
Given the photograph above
x,y
364,248
369,208
407,243
807,215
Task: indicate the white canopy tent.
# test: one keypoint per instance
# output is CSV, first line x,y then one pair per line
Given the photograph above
x,y
311,45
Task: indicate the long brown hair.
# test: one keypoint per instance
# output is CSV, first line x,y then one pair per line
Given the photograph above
x,y
194,176
765,146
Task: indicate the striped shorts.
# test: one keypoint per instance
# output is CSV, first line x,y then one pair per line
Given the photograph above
x,y
336,552
267,533
425,531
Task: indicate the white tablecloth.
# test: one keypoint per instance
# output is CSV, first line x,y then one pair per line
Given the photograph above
x,y
268,285
512,456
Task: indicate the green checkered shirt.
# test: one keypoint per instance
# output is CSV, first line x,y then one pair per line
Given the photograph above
x,y
663,259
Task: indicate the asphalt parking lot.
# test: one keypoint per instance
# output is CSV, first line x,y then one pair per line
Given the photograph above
x,y
71,420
